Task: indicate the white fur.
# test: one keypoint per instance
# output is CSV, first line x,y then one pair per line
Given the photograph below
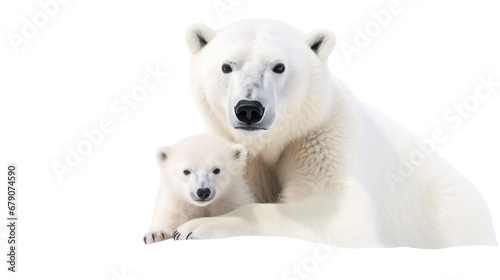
x,y
200,155
323,170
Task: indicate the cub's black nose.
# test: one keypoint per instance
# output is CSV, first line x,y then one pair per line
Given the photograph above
x,y
249,111
203,193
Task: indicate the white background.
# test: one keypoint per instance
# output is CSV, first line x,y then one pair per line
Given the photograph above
x,y
90,224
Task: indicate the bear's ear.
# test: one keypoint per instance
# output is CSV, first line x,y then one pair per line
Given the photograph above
x,y
162,154
197,36
239,153
321,41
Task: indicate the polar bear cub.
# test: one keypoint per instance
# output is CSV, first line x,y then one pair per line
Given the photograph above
x,y
201,176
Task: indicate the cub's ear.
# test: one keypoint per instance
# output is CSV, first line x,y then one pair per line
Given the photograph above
x,y
321,41
239,153
197,36
162,154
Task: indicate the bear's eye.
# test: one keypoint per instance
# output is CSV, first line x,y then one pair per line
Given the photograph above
x,y
216,171
279,68
187,172
226,69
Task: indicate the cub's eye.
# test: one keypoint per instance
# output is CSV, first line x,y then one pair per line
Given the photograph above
x,y
216,171
279,68
226,69
187,172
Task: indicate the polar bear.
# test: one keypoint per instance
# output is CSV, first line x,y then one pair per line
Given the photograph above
x,y
324,166
201,176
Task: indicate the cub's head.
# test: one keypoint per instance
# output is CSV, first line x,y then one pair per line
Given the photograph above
x,y
202,167
248,74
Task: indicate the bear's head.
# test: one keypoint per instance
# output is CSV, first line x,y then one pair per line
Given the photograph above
x,y
202,168
259,78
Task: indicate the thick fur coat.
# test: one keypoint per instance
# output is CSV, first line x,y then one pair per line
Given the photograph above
x,y
324,166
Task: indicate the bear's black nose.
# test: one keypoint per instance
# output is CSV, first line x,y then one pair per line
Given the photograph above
x,y
203,193
249,111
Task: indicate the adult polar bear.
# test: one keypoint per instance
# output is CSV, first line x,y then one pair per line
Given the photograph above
x,y
323,164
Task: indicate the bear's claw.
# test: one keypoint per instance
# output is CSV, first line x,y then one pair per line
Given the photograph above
x,y
154,236
176,235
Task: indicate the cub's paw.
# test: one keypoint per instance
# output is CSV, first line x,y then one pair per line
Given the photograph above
x,y
155,236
